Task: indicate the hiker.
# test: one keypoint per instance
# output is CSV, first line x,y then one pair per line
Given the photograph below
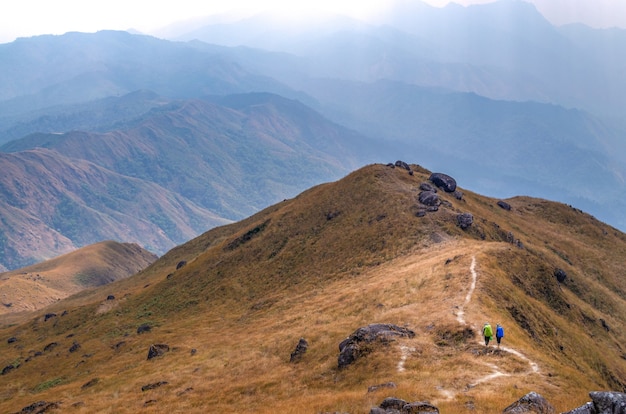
x,y
487,333
499,333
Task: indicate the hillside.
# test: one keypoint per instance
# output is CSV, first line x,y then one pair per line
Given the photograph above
x,y
232,304
39,285
167,175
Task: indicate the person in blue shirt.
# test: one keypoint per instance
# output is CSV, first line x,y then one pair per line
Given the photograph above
x,y
499,333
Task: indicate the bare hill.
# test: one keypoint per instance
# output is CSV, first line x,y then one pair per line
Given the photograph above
x,y
39,285
232,304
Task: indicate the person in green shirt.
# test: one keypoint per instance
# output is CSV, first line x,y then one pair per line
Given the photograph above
x,y
487,333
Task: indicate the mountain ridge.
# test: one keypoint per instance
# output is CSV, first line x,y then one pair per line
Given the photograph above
x,y
232,303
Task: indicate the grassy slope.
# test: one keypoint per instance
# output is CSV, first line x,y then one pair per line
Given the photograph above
x,y
250,290
39,285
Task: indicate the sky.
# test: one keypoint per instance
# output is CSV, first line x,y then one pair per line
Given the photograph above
x,y
25,18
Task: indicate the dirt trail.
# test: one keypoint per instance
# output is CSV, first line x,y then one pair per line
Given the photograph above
x,y
496,372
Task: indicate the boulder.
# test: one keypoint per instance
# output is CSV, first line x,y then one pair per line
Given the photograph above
x,y
560,275
464,220
504,205
300,350
358,343
428,187
392,405
157,350
429,198
144,327
608,402
530,403
443,181
403,164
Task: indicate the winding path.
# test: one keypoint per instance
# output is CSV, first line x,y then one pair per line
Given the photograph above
x,y
496,372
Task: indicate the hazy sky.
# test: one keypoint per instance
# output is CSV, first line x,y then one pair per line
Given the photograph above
x,y
23,18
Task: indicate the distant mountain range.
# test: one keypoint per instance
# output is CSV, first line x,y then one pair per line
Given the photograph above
x,y
128,137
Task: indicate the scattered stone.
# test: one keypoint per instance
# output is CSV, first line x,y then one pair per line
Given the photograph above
x,y
464,220
185,391
39,407
111,297
331,215
180,264
11,340
403,164
90,383
193,351
605,325
392,405
358,343
373,388
560,275
429,198
153,385
144,327
530,403
75,347
49,316
300,350
504,205
458,195
7,369
428,187
150,402
157,350
50,346
443,181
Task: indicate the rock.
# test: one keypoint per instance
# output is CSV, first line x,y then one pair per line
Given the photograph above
x,y
443,181
300,350
357,344
419,407
429,198
530,403
464,220
403,164
608,402
392,405
153,385
180,264
75,347
583,409
49,316
560,275
7,369
144,327
157,350
458,195
50,346
111,297
90,383
11,340
504,205
428,187
39,407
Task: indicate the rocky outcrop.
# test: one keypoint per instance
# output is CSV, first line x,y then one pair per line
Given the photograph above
x,y
443,181
603,402
429,198
530,403
359,343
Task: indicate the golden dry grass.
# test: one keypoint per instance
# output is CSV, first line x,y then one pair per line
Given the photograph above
x,y
250,290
